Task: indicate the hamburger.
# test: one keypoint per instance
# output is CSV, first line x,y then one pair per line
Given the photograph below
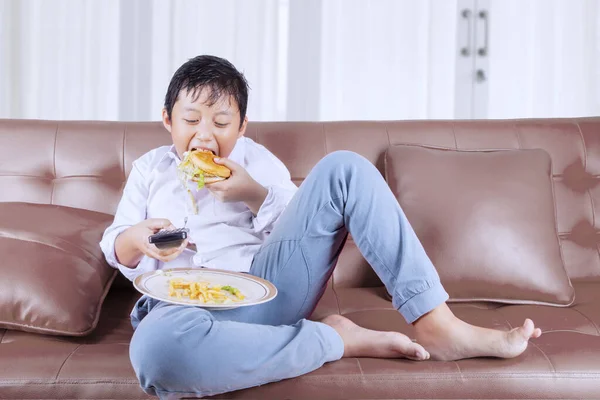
x,y
199,166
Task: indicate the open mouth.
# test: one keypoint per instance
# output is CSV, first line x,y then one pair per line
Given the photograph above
x,y
203,149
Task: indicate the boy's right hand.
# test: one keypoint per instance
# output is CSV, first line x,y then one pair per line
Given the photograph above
x,y
140,233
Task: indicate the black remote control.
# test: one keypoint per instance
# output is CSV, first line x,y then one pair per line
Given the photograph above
x,y
169,239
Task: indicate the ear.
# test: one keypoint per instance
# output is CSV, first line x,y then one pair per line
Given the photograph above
x,y
242,131
166,120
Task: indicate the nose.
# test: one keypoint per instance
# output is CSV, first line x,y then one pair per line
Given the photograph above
x,y
203,133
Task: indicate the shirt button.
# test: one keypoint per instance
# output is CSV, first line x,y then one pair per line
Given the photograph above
x,y
196,260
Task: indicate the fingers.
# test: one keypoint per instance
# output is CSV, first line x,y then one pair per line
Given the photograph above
x,y
216,186
165,255
156,224
233,166
218,189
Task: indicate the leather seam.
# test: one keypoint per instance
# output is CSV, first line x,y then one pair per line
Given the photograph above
x,y
598,250
377,377
454,135
70,382
573,331
557,232
359,367
337,300
589,193
545,356
54,150
54,163
452,376
497,310
585,156
518,135
510,302
587,318
587,190
459,370
387,132
66,359
474,150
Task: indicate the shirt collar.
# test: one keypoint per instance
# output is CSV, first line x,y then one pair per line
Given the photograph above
x,y
171,154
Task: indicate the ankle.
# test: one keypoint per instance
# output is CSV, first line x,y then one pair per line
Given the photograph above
x,y
437,318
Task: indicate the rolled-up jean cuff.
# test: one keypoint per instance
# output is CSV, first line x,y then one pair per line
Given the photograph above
x,y
424,302
334,344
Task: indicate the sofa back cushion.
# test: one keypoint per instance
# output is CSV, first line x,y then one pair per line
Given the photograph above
x,y
486,219
54,277
84,165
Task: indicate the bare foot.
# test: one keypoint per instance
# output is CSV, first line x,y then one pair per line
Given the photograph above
x,y
448,338
361,342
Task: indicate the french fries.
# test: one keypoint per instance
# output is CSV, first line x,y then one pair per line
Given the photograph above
x,y
204,292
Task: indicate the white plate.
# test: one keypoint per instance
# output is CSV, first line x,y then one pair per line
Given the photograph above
x,y
156,285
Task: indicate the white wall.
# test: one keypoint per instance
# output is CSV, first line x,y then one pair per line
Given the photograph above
x,y
304,59
112,60
544,58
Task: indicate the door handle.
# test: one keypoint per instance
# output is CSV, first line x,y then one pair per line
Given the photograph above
x,y
466,49
484,16
480,76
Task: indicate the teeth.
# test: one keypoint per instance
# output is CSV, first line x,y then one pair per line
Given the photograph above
x,y
202,149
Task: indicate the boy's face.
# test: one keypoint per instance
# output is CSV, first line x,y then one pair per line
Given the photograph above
x,y
195,125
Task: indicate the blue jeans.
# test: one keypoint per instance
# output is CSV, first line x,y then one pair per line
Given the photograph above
x,y
181,351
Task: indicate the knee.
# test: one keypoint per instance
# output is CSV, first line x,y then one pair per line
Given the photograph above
x,y
345,163
344,157
163,355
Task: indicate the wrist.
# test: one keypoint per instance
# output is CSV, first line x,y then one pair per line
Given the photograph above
x,y
256,197
127,249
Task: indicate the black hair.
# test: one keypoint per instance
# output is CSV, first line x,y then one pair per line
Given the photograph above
x,y
214,73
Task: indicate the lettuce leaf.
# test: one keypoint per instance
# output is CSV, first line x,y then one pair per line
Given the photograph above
x,y
200,177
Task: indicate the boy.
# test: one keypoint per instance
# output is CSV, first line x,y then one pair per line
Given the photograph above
x,y
257,221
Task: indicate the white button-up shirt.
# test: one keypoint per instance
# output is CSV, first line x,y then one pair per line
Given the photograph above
x,y
226,235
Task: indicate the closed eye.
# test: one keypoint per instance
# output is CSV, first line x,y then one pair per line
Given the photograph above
x,y
191,121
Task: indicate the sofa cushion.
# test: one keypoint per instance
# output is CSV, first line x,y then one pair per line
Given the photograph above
x,y
486,219
563,363
54,277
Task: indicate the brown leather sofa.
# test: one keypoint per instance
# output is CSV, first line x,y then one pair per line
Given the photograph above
x,y
83,165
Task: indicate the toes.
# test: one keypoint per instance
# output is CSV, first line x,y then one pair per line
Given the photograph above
x,y
528,328
416,352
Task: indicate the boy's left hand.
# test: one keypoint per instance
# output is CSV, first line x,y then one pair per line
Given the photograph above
x,y
240,186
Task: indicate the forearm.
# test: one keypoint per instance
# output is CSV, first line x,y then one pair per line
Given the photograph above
x,y
125,250
257,198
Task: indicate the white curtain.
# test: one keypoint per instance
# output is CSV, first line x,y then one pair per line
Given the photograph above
x,y
305,59
112,60
388,59
544,58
